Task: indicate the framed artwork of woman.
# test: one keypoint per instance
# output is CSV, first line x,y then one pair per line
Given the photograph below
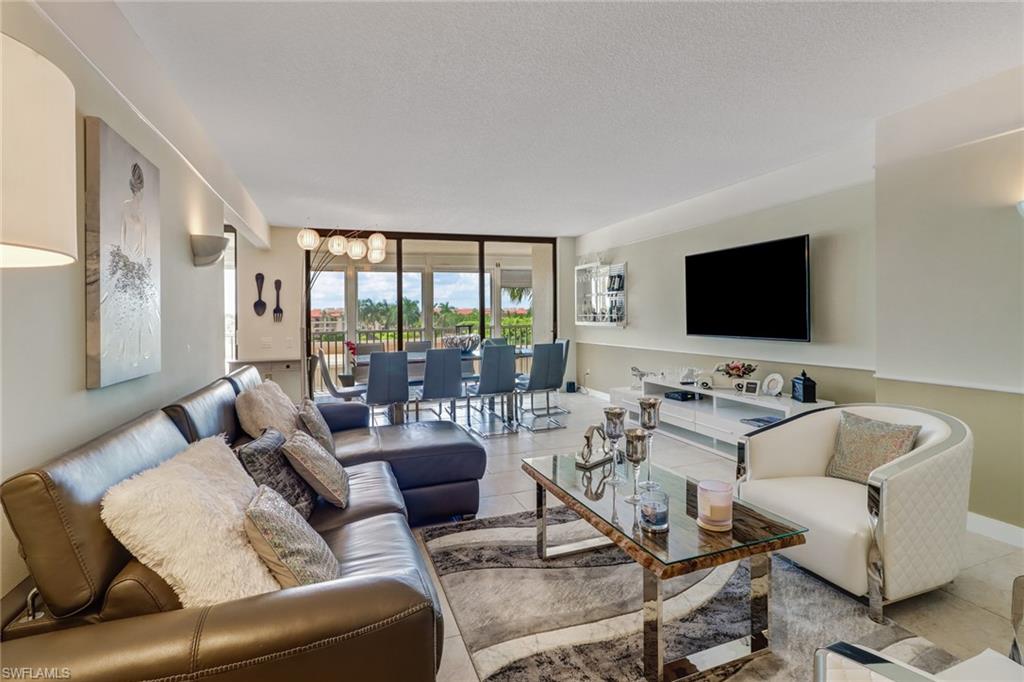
x,y
122,267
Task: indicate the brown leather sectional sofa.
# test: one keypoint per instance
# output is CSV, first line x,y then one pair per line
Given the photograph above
x,y
104,616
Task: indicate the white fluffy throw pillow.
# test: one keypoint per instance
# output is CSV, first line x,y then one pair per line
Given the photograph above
x,y
185,519
266,406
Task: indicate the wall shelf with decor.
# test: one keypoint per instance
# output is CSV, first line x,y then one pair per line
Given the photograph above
x,y
601,295
714,421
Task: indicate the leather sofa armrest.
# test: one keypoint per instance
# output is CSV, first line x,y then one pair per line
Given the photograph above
x,y
345,416
354,626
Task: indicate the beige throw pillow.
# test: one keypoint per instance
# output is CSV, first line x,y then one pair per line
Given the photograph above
x,y
291,549
266,407
863,445
318,467
185,519
316,425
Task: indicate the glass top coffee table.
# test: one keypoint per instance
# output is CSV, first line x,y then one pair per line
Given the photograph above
x,y
684,548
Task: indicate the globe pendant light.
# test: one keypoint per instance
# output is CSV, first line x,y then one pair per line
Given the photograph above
x,y
337,245
377,242
376,255
356,249
308,239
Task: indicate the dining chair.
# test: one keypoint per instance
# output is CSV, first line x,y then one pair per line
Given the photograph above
x,y
345,393
494,341
442,381
545,376
388,384
497,382
416,369
558,409
360,373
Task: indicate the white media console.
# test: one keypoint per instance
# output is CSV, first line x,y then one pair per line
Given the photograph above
x,y
712,422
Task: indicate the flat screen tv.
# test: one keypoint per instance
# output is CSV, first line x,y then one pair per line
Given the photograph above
x,y
758,291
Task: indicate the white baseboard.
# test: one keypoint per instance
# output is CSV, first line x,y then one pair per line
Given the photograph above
x,y
995,529
600,395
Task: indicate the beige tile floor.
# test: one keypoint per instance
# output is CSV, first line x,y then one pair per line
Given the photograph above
x,y
965,617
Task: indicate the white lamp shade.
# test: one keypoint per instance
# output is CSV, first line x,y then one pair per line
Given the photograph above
x,y
337,245
377,242
376,255
39,216
308,239
356,249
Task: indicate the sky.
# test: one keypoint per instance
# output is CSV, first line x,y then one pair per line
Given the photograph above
x,y
459,289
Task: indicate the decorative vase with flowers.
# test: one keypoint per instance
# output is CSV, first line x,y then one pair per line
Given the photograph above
x,y
735,369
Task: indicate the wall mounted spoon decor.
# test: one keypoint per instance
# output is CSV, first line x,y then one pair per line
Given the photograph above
x,y
278,313
259,307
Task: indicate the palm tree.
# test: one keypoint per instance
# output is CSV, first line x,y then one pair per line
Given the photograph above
x,y
519,294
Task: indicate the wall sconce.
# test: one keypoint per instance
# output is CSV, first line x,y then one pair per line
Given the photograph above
x,y
207,249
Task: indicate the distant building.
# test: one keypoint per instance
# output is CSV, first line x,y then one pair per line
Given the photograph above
x,y
326,320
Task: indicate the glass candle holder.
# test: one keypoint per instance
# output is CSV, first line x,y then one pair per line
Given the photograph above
x,y
614,429
636,453
714,505
650,414
654,511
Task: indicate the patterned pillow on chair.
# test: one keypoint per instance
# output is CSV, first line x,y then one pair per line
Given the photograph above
x,y
863,445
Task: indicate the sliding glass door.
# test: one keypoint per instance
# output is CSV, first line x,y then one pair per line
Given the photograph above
x,y
429,291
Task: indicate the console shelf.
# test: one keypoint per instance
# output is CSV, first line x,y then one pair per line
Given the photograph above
x,y
712,422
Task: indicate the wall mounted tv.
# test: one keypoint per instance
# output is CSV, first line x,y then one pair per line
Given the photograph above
x,y
758,291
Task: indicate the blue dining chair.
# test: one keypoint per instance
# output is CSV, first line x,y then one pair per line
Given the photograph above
x,y
416,369
361,373
545,376
442,380
388,384
497,383
494,341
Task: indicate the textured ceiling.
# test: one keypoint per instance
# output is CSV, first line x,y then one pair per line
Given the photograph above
x,y
546,119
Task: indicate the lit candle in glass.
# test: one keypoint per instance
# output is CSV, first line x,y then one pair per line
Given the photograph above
x,y
714,505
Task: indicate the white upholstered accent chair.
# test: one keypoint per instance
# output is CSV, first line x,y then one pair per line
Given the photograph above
x,y
899,535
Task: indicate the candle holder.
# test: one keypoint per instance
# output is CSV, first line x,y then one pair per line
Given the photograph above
x,y
650,412
654,511
614,429
636,453
714,505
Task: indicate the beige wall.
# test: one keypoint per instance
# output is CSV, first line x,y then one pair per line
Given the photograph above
x,y
44,405
950,255
841,225
951,266
259,337
997,421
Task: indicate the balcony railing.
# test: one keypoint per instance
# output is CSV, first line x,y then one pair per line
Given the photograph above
x,y
333,344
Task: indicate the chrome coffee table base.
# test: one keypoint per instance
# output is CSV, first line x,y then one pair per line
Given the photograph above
x,y
718,662
546,552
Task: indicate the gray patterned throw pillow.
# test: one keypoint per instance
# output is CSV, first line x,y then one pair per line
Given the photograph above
x,y
290,548
316,425
318,467
863,445
268,466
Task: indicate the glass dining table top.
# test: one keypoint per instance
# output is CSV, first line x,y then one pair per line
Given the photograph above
x,y
685,545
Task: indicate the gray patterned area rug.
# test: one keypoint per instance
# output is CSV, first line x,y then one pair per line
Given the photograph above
x,y
578,617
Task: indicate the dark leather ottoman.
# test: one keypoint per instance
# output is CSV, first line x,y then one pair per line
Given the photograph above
x,y
437,465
